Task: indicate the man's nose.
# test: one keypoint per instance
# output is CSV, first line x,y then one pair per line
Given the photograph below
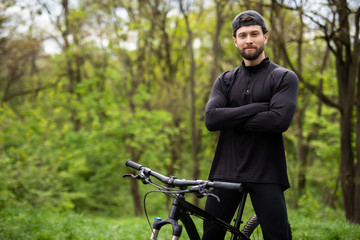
x,y
249,39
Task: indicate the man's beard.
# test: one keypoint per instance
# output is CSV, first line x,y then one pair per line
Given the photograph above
x,y
253,54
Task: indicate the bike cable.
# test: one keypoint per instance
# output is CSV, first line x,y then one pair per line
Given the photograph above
x,y
170,192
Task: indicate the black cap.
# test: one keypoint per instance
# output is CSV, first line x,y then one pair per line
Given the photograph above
x,y
247,18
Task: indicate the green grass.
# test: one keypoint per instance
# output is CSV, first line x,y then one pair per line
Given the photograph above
x,y
307,228
42,224
46,224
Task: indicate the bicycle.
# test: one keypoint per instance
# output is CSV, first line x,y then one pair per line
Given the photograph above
x,y
181,209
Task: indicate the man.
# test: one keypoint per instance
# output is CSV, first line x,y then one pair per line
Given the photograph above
x,y
251,105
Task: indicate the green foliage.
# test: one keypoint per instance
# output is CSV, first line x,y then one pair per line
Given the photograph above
x,y
134,103
46,163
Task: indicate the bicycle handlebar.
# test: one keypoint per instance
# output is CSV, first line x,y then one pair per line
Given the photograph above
x,y
173,182
133,165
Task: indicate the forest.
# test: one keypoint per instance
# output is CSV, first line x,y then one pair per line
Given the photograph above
x,y
86,85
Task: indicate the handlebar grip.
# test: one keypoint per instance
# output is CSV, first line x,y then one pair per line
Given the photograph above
x,y
133,165
237,187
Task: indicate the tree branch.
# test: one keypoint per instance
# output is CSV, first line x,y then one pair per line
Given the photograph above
x,y
30,91
315,90
312,88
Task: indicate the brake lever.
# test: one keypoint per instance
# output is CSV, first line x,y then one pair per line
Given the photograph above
x,y
200,191
131,175
212,195
143,176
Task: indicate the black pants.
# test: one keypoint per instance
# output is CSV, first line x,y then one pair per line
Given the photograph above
x,y
269,204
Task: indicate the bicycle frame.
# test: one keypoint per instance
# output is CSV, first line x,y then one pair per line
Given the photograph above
x,y
181,210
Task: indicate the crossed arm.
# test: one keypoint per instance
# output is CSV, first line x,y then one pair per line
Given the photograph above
x,y
272,117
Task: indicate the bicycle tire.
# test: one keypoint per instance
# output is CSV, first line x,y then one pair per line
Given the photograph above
x,y
252,224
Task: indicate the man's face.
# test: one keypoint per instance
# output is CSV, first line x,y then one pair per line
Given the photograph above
x,y
250,41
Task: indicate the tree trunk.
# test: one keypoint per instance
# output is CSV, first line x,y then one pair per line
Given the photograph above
x,y
346,100
71,73
302,150
346,66
357,105
347,166
194,128
216,48
357,166
136,196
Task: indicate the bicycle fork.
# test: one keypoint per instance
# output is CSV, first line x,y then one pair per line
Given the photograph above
x,y
173,218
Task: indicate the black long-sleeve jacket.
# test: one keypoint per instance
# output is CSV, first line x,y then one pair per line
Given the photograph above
x,y
252,106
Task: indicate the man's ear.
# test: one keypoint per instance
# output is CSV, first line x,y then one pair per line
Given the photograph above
x,y
234,39
266,37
